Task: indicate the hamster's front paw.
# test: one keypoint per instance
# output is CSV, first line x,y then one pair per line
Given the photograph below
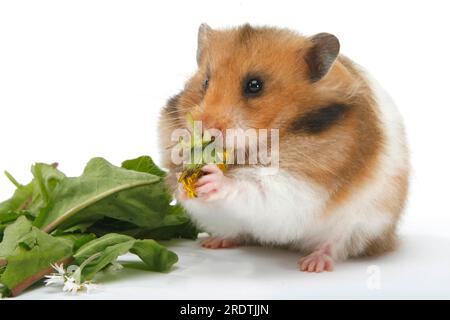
x,y
214,185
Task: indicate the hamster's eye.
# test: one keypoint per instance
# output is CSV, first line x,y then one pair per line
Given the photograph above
x,y
206,83
253,86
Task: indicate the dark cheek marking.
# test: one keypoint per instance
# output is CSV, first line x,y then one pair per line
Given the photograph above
x,y
320,120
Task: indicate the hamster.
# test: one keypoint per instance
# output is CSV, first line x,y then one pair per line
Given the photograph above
x,y
343,171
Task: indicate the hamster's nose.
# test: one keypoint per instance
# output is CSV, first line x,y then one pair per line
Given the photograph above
x,y
209,123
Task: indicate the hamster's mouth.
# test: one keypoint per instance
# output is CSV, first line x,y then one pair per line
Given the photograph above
x,y
233,146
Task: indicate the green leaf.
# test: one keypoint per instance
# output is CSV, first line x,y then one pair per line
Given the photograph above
x,y
100,180
131,194
31,256
99,245
144,206
82,227
19,201
78,239
35,195
13,233
143,164
184,230
82,240
155,256
12,179
12,216
46,178
109,247
107,256
2,230
132,200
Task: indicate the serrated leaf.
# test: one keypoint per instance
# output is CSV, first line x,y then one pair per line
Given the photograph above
x,y
99,181
19,201
133,199
35,195
45,179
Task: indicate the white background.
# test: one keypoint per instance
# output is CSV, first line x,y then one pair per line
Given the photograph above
x,y
80,79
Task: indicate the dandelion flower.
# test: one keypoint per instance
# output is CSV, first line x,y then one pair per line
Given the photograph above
x,y
196,147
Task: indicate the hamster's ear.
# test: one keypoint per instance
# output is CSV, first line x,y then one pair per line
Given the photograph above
x,y
321,56
204,31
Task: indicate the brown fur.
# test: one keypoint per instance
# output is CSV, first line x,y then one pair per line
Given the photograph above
x,y
336,158
393,204
341,158
386,242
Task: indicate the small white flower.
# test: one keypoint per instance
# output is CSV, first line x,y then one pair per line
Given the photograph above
x,y
89,286
54,279
71,286
69,279
59,268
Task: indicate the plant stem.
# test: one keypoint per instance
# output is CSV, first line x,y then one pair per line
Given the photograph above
x,y
11,178
25,205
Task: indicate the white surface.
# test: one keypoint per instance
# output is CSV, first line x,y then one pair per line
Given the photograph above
x,y
419,269
87,78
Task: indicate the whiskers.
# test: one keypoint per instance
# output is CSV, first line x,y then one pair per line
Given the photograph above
x,y
318,164
244,154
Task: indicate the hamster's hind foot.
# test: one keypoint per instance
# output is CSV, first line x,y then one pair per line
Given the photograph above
x,y
219,243
318,261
